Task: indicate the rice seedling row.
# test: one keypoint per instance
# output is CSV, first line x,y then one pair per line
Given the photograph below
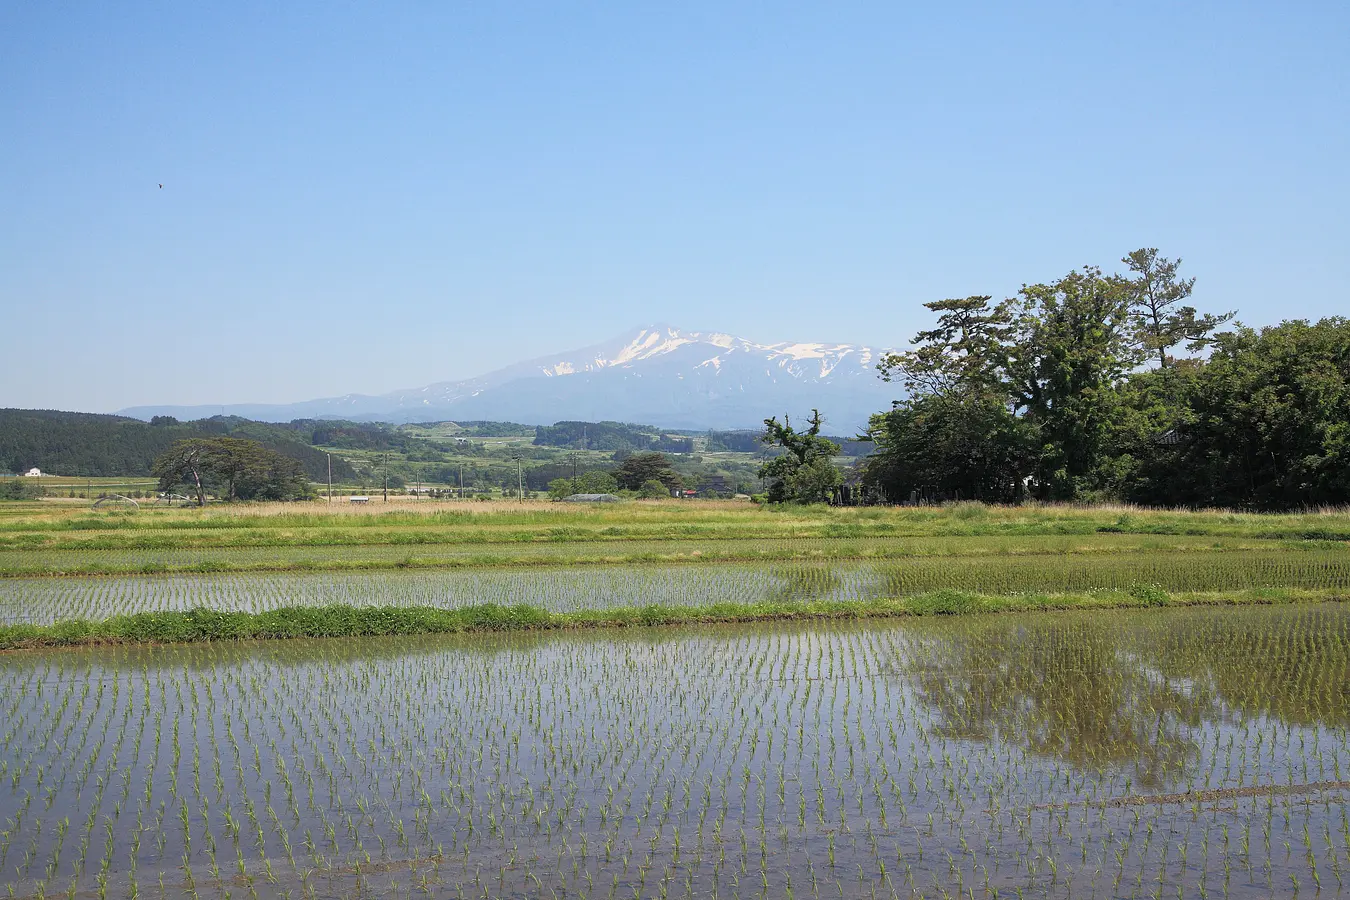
x,y
47,600
1189,753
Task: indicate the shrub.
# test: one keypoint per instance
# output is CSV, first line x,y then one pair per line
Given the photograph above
x,y
653,490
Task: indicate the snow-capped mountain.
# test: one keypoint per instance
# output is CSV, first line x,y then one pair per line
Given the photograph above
x,y
656,375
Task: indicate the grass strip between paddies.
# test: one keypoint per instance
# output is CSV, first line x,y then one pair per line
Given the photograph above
x,y
202,624
1321,557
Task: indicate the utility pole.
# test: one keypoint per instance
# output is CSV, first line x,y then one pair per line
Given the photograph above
x,y
461,481
386,476
330,477
520,480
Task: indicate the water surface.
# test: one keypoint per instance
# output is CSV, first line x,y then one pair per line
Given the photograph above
x,y
1163,753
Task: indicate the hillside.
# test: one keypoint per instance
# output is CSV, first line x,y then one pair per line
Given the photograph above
x,y
93,445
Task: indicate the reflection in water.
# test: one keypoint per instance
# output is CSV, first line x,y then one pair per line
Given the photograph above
x,y
1083,754
1290,664
1062,687
798,583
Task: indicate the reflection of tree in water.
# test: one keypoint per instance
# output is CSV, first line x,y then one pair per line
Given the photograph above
x,y
1292,664
1060,688
803,583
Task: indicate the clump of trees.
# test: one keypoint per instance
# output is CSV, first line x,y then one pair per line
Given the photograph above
x,y
593,482
646,475
610,436
805,472
232,469
1264,423
1080,390
640,469
19,489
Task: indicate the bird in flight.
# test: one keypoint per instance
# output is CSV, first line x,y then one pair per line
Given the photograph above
x,y
161,187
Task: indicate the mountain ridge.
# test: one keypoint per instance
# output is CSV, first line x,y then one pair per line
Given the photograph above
x,y
656,373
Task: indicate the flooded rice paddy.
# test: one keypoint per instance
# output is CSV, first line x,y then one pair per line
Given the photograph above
x,y
1166,753
565,589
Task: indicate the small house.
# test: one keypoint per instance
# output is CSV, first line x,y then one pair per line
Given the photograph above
x,y
34,472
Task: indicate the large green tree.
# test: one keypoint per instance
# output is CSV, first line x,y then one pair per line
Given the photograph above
x,y
965,353
1071,347
184,463
805,471
1159,323
966,446
955,434
1268,420
235,460
640,468
233,468
1042,390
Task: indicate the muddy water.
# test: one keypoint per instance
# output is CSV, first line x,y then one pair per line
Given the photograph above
x,y
1160,753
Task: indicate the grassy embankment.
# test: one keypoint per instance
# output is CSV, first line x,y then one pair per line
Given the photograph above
x,y
318,538
198,625
961,559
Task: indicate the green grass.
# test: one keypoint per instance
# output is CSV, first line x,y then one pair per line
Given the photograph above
x,y
30,560
955,559
48,526
202,624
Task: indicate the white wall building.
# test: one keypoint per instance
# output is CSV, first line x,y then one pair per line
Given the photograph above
x,y
34,472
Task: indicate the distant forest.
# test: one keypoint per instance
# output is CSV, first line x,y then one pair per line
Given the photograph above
x,y
609,437
93,445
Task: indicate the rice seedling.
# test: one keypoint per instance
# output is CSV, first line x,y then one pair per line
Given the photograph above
x,y
1156,750
1148,577
1161,752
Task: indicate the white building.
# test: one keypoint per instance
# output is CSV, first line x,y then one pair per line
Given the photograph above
x,y
34,472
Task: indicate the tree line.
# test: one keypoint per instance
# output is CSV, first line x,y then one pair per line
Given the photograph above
x,y
610,437
1105,387
645,475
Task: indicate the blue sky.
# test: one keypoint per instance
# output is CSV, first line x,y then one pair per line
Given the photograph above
x,y
362,197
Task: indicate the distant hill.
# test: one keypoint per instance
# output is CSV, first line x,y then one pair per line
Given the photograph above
x,y
610,436
658,374
93,445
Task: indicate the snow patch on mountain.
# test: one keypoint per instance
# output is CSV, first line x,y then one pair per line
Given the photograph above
x,y
657,374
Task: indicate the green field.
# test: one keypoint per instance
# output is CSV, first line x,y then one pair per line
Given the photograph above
x,y
966,546
71,575
57,487
669,699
